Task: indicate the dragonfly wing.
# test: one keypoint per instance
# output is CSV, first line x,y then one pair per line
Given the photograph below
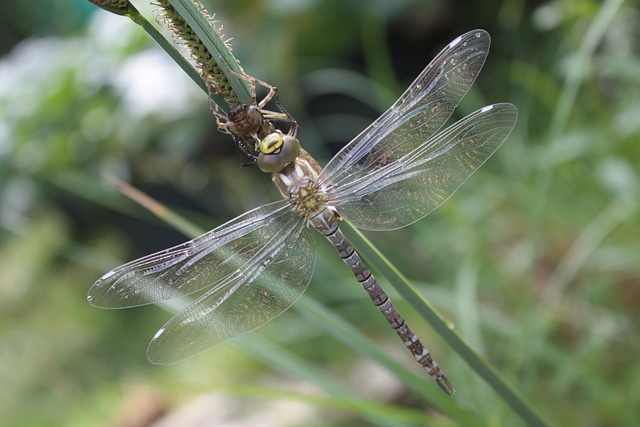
x,y
269,283
191,266
399,193
418,113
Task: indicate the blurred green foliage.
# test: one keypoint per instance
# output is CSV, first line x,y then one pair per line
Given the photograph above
x,y
536,260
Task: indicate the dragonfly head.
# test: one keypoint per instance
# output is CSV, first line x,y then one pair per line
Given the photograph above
x,y
277,151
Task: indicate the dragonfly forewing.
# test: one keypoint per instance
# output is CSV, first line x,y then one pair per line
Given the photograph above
x,y
399,193
192,266
418,113
251,296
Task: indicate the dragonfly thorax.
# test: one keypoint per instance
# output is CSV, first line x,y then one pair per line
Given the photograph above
x,y
298,182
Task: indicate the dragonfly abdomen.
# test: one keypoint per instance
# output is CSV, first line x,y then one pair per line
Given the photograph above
x,y
326,224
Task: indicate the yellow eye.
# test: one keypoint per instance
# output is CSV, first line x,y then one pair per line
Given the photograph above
x,y
284,150
271,144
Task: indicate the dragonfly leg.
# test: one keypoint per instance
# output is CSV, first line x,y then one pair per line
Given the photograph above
x,y
282,115
294,128
252,87
221,119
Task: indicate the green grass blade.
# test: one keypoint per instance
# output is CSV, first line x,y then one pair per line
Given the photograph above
x,y
170,49
197,22
387,414
290,364
129,10
576,74
378,261
158,209
215,45
423,386
286,362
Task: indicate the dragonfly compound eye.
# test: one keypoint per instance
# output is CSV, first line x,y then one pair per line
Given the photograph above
x,y
277,151
271,144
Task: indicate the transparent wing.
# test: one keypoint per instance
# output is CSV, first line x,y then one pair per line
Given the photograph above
x,y
191,266
418,114
398,193
266,285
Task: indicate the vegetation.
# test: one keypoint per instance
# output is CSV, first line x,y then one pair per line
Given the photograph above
x,y
535,261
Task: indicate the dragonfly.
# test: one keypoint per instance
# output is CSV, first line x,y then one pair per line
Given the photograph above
x,y
254,267
248,124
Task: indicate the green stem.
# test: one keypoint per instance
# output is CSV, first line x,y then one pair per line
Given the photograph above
x,y
376,259
212,41
168,47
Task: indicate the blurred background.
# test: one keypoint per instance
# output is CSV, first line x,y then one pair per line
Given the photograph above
x,y
535,261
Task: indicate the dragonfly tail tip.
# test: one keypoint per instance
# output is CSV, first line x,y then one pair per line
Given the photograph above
x,y
445,385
